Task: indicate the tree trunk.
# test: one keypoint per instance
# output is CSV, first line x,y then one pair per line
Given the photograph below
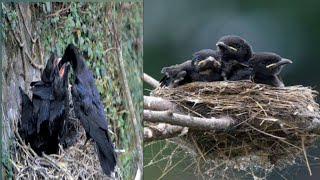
x,y
16,65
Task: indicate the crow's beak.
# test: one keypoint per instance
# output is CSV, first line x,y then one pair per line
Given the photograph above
x,y
210,58
280,63
62,61
204,62
225,46
61,70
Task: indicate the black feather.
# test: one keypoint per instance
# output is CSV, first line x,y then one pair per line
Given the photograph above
x,y
89,109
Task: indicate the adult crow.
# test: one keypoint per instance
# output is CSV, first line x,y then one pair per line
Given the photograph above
x,y
267,67
235,53
89,109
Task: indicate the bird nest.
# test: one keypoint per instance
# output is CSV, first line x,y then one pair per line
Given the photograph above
x,y
273,124
77,161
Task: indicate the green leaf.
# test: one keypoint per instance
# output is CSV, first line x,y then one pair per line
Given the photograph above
x,y
81,40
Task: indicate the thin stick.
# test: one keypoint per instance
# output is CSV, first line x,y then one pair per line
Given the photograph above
x,y
150,80
188,121
305,154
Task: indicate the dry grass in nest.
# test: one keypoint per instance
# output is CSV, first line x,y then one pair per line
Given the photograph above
x,y
75,162
275,125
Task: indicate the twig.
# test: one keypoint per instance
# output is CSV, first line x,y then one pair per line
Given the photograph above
x,y
305,154
157,104
34,64
161,131
198,149
33,40
188,121
150,80
110,49
59,11
277,137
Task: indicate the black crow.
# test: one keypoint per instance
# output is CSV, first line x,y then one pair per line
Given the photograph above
x,y
59,107
204,54
205,66
48,106
89,108
42,94
267,67
234,48
177,75
235,53
27,126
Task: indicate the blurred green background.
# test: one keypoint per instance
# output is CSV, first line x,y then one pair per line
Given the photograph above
x,y
174,29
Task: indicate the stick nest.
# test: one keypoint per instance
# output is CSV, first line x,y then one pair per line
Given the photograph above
x,y
274,124
77,161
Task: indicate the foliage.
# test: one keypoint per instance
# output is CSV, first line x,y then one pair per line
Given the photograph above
x,y
6,163
96,28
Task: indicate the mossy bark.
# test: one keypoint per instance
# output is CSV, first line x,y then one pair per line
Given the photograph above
x,y
17,71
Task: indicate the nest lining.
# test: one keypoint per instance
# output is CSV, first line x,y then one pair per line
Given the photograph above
x,y
274,123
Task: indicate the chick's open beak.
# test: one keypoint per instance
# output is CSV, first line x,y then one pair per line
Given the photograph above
x,y
223,45
61,70
280,63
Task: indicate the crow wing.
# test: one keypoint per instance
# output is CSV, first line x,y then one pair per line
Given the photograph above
x,y
27,124
42,90
90,112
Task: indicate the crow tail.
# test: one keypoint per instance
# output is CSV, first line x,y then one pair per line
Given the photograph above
x,y
107,159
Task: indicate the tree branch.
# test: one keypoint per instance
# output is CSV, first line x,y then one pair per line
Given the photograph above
x,y
187,121
171,123
150,80
161,131
157,104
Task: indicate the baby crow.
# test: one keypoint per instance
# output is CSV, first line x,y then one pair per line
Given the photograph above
x,y
267,67
235,53
42,95
27,125
48,107
43,88
205,66
59,107
89,108
234,48
177,75
204,54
